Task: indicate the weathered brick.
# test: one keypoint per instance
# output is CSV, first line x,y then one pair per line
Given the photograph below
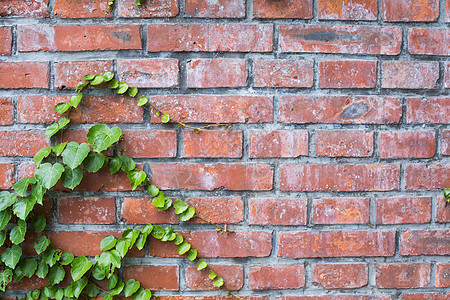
x,y
6,176
409,74
398,144
428,110
340,276
26,284
218,210
337,297
447,73
442,275
224,72
348,74
298,9
35,38
216,9
411,10
212,143
348,10
15,75
283,73
278,143
403,210
148,73
215,109
407,275
421,296
148,9
6,38
31,8
6,111
149,144
340,109
81,9
447,10
233,276
429,41
442,211
210,38
336,243
275,211
21,143
340,39
90,210
427,177
425,242
276,277
162,277
142,211
339,177
341,211
210,177
210,297
349,143
69,73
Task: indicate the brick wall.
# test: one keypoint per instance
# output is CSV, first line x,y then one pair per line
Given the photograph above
x,y
331,175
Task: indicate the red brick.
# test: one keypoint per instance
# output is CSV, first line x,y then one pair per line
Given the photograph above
x,y
142,211
81,9
298,9
340,39
429,41
337,297
447,10
211,297
276,277
339,177
149,144
349,143
348,10
215,9
6,38
15,75
224,72
442,275
215,109
348,74
35,38
91,210
212,143
69,73
442,211
428,110
26,284
336,243
340,276
148,73
148,9
447,72
275,211
97,37
211,177
6,176
398,144
31,8
218,210
409,74
21,143
431,296
403,210
425,242
407,275
233,276
279,143
210,38
162,277
6,111
109,109
283,73
340,109
427,177
341,211
411,10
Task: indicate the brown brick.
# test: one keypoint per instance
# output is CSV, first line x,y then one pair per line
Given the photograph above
x,y
407,275
340,109
31,8
348,74
148,9
411,10
398,144
425,242
442,211
218,210
142,211
409,74
403,210
210,177
279,143
428,110
233,276
91,210
341,211
275,211
442,275
283,73
349,143
339,177
276,277
81,9
427,177
69,73
429,41
336,243
6,176
6,38
215,9
212,143
421,296
162,277
298,9
348,10
340,39
148,73
149,144
224,72
35,38
6,111
21,143
210,38
26,284
340,276
15,75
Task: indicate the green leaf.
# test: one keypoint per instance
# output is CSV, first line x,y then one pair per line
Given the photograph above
x,y
122,246
147,229
62,107
192,254
143,294
136,177
74,154
131,287
52,130
140,242
58,149
71,178
108,76
28,267
99,272
115,164
63,122
131,235
153,190
39,223
113,281
48,174
132,91
6,200
78,286
41,154
2,237
17,234
115,259
142,101
56,274
11,256
118,289
178,239
51,256
35,294
23,207
218,282
157,232
188,214
167,204
122,88
113,84
79,267
180,206
92,290
101,137
5,278
42,270
97,80
75,100
212,274
167,234
89,77
201,265
128,164
184,247
41,244
159,200
165,118
447,195
37,192
5,216
94,161
81,85
108,242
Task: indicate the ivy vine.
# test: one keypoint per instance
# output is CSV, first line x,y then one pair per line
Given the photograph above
x,y
111,4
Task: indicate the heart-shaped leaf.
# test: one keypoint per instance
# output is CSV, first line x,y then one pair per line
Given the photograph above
x,y
101,137
79,267
71,178
74,154
48,174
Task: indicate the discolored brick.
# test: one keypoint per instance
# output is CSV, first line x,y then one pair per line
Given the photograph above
x,y
429,41
398,144
403,210
69,73
226,72
442,275
428,110
347,74
22,143
425,242
6,176
341,211
217,210
15,75
340,276
277,277
349,143
421,296
6,111
149,144
410,10
30,8
409,74
162,277
233,276
215,9
407,275
276,211
298,9
427,177
148,9
148,73
442,211
348,10
6,37
212,143
283,73
81,9
278,143
90,210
